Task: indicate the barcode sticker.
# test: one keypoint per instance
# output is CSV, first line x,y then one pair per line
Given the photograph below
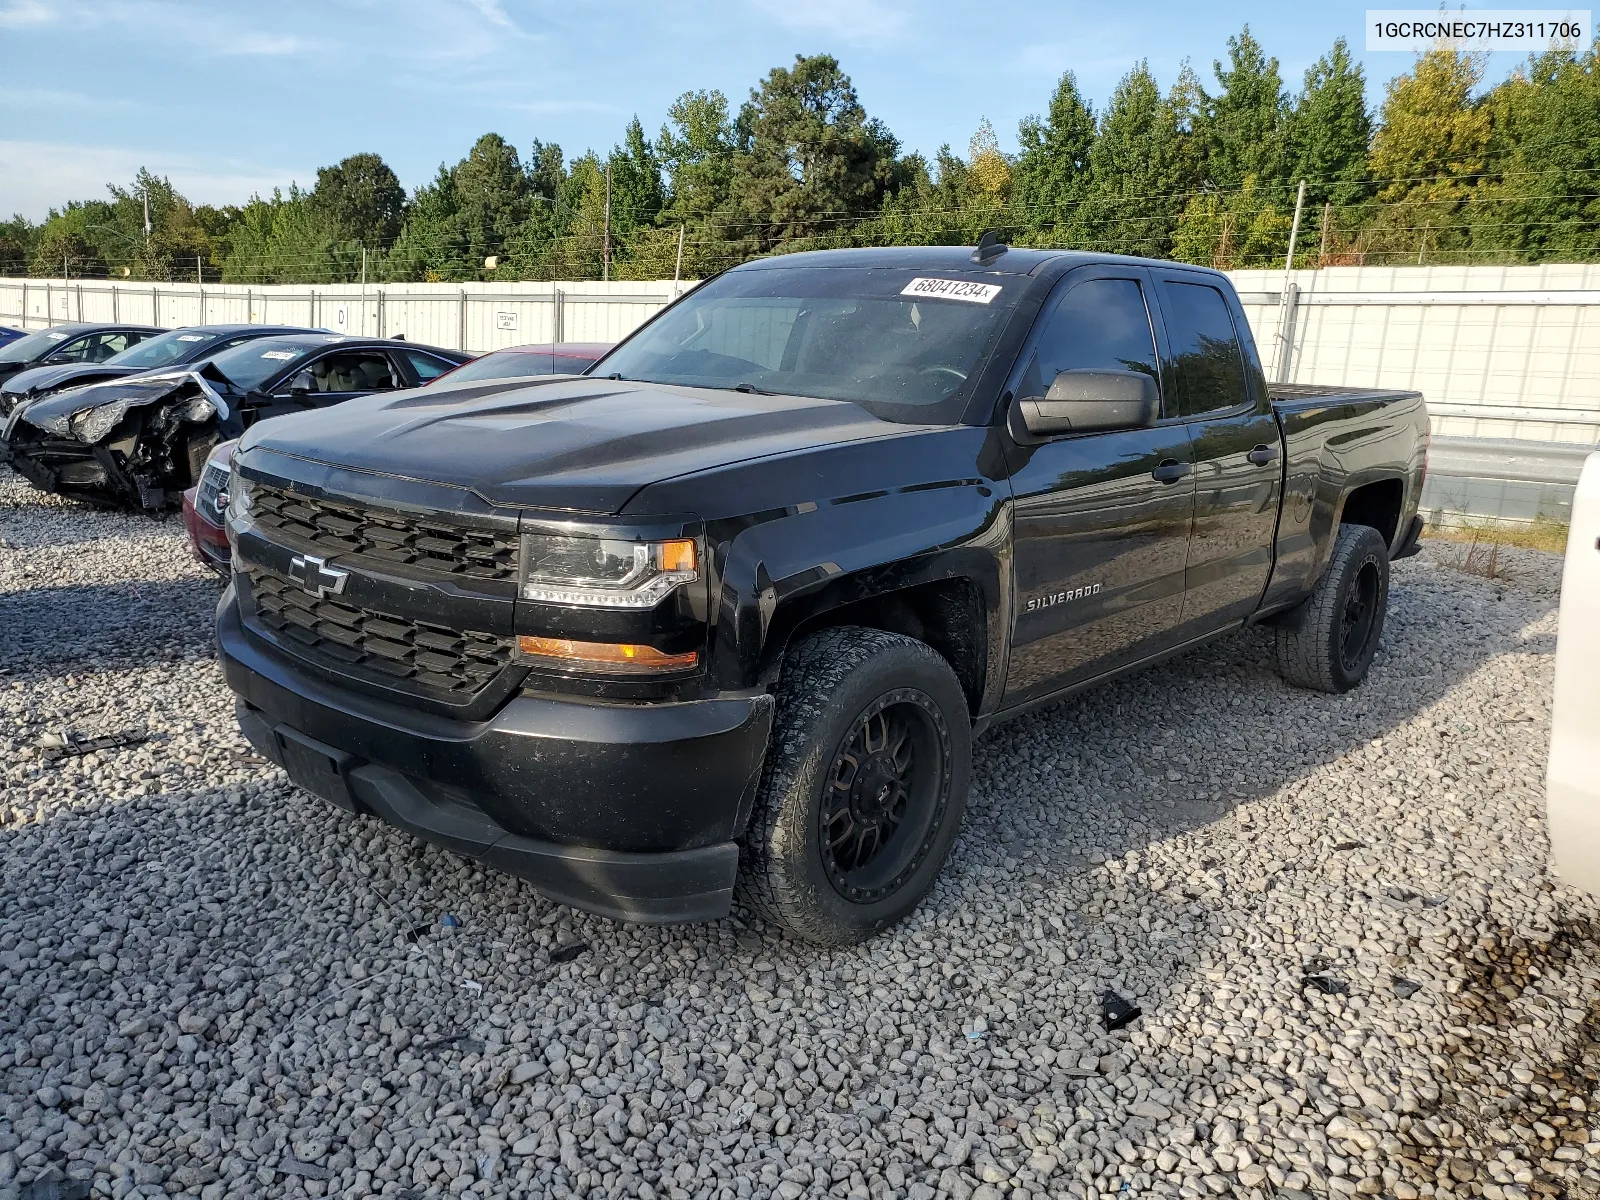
x,y
951,289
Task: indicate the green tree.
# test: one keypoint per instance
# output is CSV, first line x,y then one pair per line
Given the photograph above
x,y
697,153
1329,129
1052,170
1232,230
360,200
808,156
470,212
1136,170
16,245
1243,126
1545,151
1428,157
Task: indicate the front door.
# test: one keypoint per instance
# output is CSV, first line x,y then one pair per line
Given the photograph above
x,y
1102,519
1237,460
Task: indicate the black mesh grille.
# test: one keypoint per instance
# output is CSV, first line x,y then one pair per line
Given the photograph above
x,y
386,649
393,538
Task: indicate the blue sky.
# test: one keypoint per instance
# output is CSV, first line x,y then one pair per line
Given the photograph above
x,y
228,98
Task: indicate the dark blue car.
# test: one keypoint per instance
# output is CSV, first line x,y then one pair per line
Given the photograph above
x,y
176,348
8,334
70,345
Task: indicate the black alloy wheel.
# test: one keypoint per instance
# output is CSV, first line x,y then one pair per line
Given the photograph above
x,y
887,787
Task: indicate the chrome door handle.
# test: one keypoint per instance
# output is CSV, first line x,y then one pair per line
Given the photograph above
x,y
1171,471
1262,455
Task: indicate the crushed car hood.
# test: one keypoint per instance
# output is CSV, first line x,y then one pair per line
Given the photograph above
x,y
50,412
49,379
579,444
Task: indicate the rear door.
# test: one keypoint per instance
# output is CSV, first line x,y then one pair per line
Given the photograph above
x,y
1101,520
1222,395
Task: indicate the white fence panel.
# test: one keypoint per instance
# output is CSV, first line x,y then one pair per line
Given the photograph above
x,y
1500,352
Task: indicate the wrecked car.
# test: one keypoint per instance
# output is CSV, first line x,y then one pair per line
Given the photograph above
x,y
138,442
175,348
205,507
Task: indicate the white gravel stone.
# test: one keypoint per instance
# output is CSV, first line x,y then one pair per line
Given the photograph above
x,y
214,985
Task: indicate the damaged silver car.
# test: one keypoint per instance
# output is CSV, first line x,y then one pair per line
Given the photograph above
x,y
138,442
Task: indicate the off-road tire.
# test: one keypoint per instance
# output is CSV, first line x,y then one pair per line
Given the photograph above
x,y
831,680
1314,638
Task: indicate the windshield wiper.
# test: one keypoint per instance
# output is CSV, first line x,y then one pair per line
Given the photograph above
x,y
752,389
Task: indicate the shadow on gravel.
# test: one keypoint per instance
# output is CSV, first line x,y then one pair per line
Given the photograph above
x,y
1180,745
46,630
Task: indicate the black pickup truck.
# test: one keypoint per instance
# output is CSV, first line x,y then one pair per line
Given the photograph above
x,y
728,610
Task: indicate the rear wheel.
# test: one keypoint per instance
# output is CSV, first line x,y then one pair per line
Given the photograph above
x,y
864,786
1328,642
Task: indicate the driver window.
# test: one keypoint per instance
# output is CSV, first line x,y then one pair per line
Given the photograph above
x,y
73,351
350,371
1101,324
104,345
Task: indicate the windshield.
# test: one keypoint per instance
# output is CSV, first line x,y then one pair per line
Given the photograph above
x,y
26,349
503,364
181,345
253,363
902,345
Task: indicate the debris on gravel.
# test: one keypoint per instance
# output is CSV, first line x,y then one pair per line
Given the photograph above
x,y
213,984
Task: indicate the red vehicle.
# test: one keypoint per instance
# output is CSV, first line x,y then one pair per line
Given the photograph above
x,y
203,509
514,362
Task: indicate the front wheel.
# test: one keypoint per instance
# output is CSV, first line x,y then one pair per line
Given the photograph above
x,y
864,785
1328,642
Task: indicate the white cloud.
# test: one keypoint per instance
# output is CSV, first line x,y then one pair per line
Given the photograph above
x,y
855,21
34,176
16,14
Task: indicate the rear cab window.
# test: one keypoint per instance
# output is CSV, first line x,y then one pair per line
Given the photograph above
x,y
1207,357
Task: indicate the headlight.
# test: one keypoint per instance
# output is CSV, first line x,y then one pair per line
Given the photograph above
x,y
59,423
93,424
241,496
604,572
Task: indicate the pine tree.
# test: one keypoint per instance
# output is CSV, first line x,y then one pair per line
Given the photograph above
x,y
1243,127
1545,147
809,156
1328,130
1133,199
1053,169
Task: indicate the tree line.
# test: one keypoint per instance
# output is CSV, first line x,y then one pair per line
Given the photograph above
x,y
1444,171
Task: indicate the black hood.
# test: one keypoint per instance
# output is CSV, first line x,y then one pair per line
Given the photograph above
x,y
62,375
584,445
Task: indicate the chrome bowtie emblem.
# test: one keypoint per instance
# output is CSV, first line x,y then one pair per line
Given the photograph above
x,y
314,575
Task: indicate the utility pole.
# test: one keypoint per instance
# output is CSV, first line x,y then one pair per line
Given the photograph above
x,y
363,291
1327,219
146,216
605,245
1288,265
1422,245
197,277
677,270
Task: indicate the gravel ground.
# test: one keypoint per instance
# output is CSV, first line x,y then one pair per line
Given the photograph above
x,y
1357,975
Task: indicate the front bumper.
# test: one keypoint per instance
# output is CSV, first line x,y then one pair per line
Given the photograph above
x,y
69,468
209,542
627,810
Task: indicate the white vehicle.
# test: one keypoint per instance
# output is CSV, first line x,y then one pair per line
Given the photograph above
x,y
1572,785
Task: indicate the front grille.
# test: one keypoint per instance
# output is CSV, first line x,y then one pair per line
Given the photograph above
x,y
391,650
208,498
392,538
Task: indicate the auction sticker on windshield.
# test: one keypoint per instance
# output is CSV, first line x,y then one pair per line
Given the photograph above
x,y
282,355
952,289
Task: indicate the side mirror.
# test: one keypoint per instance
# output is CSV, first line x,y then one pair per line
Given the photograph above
x,y
302,383
1092,402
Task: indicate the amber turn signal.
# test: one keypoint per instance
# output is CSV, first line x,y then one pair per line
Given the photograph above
x,y
606,658
678,555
